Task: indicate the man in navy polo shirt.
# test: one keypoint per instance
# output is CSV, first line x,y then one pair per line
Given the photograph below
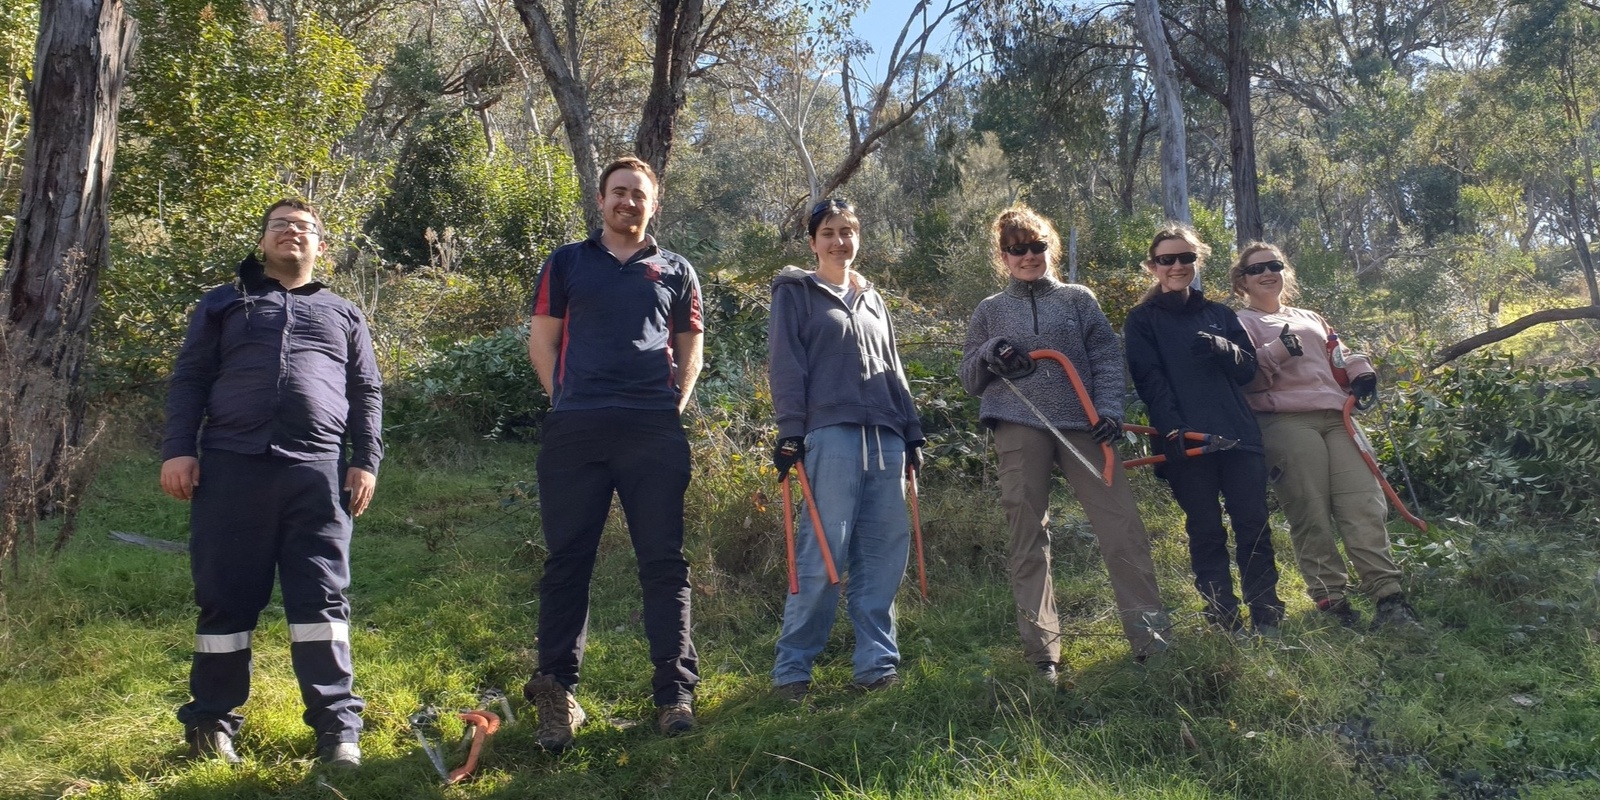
x,y
616,339
281,374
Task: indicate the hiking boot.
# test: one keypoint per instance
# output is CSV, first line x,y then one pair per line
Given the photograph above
x,y
1267,630
886,682
793,691
1339,608
1048,672
1224,620
559,713
676,718
1395,614
211,741
340,755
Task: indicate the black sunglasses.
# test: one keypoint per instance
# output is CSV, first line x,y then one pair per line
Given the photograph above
x,y
1257,269
1169,260
1035,248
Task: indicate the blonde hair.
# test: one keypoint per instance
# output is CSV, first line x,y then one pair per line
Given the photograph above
x,y
1291,286
1020,224
1173,230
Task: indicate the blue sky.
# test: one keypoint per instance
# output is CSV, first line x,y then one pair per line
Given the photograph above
x,y
880,22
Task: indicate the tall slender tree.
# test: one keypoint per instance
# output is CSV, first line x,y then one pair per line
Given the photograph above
x,y
57,251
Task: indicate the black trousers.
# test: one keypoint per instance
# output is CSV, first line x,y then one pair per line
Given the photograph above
x,y
253,516
1240,477
643,457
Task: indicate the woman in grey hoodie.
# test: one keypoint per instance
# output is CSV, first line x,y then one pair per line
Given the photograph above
x,y
844,408
1039,312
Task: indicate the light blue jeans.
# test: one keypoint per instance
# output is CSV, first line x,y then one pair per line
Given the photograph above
x,y
858,479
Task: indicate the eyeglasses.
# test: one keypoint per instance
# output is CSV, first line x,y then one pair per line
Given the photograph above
x,y
280,225
1174,258
1035,248
1258,268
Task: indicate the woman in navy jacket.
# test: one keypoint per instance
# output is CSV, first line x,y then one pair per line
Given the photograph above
x,y
1189,358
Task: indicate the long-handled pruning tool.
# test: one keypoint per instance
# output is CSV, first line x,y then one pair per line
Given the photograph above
x,y
816,527
1209,443
1372,463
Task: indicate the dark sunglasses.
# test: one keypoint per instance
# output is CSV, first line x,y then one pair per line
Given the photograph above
x,y
1257,269
1035,248
1169,260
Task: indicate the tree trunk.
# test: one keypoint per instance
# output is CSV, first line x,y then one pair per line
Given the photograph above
x,y
560,67
59,247
1241,125
1580,242
1169,110
676,35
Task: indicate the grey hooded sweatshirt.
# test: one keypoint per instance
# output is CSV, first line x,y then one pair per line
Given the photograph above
x,y
831,364
1045,314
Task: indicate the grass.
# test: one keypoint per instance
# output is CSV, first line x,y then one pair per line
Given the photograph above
x,y
1499,699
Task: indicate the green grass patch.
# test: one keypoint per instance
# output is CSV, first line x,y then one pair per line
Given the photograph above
x,y
1499,699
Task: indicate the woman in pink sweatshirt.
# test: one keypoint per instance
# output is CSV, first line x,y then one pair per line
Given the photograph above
x,y
1327,491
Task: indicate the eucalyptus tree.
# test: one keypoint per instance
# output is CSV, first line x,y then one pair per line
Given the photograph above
x,y
818,71
57,250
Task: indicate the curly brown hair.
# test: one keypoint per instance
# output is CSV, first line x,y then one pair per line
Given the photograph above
x,y
1020,224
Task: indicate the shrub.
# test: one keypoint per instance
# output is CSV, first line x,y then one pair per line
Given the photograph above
x,y
484,385
1490,439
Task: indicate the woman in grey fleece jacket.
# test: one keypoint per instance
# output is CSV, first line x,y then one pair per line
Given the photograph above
x,y
1037,311
843,406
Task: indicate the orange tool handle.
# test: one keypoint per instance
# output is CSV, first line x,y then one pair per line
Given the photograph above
x,y
484,724
1088,405
1372,464
816,524
788,534
916,530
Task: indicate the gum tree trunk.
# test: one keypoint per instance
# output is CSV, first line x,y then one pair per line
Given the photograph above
x,y
53,262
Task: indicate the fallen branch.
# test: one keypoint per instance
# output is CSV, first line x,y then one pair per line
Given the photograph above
x,y
1507,331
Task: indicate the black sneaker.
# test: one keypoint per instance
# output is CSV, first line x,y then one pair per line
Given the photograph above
x,y
1339,608
1395,614
211,741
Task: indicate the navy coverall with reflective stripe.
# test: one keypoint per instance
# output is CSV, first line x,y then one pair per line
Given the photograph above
x,y
280,379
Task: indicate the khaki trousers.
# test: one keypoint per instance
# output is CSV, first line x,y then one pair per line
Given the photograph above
x,y
1329,495
1026,456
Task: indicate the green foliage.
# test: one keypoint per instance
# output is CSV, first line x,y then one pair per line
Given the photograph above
x,y
495,217
1493,440
227,114
484,386
19,24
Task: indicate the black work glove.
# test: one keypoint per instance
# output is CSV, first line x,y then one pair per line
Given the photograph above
x,y
786,454
1177,446
913,458
1365,388
1106,430
1291,342
1007,361
1210,344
